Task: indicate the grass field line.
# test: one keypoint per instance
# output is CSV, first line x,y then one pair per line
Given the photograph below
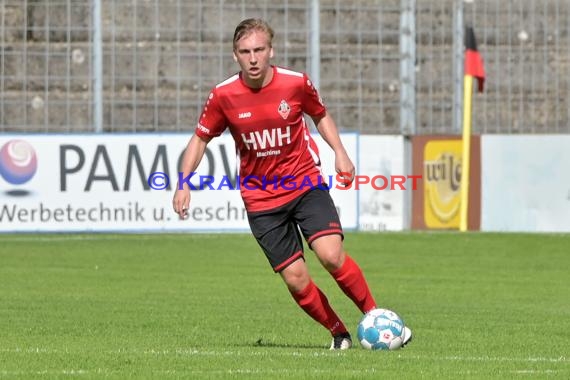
x,y
261,352
246,371
192,352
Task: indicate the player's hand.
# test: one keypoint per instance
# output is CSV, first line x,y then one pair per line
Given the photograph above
x,y
181,202
345,168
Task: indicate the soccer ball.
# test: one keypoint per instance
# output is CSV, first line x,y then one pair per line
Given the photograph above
x,y
381,329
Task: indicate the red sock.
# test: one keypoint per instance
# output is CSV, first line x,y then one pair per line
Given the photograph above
x,y
315,303
350,279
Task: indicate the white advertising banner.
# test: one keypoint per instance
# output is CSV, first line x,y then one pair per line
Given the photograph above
x,y
525,183
126,183
381,161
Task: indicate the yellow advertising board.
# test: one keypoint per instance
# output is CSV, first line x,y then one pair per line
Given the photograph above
x,y
436,203
442,183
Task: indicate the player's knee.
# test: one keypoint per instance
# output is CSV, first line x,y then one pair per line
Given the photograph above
x,y
296,276
297,284
332,260
329,250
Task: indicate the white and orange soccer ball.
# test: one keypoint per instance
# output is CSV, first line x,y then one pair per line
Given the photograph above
x,y
381,329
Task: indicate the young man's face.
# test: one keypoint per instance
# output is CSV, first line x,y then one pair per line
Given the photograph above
x,y
253,54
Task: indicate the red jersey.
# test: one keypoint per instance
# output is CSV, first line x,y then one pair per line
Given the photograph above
x,y
278,159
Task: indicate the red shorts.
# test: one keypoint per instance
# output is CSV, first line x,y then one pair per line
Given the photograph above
x,y
277,230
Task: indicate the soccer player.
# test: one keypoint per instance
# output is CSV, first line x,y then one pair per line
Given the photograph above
x,y
263,107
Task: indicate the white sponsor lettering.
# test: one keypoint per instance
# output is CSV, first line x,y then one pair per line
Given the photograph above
x,y
244,115
269,153
281,136
268,138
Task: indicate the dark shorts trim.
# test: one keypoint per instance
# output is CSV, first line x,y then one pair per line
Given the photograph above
x,y
288,262
324,233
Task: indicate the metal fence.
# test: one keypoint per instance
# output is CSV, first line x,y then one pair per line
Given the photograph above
x,y
147,65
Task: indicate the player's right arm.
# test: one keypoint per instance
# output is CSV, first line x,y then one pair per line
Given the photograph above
x,y
212,123
192,156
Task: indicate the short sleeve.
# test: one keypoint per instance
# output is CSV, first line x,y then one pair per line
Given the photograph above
x,y
212,121
312,102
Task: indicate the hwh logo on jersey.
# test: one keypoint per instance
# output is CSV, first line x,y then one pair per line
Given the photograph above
x,y
268,138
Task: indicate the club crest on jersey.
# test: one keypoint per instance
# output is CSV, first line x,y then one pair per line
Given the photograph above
x,y
284,109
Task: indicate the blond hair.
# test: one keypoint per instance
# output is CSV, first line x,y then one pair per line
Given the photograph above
x,y
249,25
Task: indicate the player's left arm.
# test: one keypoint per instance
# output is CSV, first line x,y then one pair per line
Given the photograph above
x,y
329,132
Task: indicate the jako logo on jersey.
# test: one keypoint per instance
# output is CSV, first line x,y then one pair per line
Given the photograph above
x,y
268,138
244,115
284,109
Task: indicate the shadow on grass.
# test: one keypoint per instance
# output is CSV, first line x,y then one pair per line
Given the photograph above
x,y
262,343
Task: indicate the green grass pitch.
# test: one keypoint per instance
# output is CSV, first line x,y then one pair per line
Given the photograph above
x,y
171,306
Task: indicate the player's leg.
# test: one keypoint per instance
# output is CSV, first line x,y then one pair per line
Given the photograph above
x,y
344,270
310,298
347,274
320,224
282,244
